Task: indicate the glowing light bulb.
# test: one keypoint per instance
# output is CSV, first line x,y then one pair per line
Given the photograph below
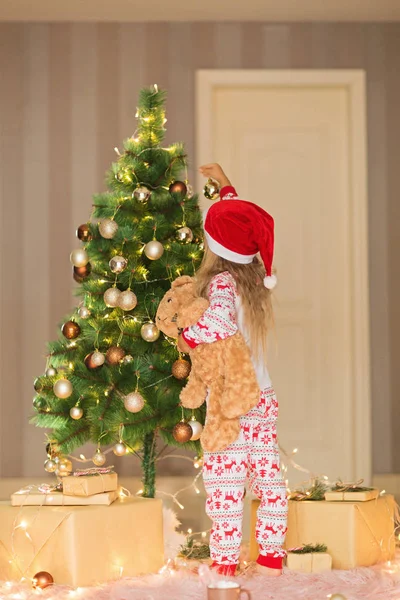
x,y
190,531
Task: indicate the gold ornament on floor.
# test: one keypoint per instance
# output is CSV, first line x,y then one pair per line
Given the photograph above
x,y
94,360
197,429
82,272
64,467
181,368
76,413
83,233
154,250
99,458
134,402
114,355
79,257
62,388
182,432
70,330
184,235
50,465
142,194
150,332
127,300
118,264
51,372
178,187
120,449
111,297
84,312
211,190
108,228
42,580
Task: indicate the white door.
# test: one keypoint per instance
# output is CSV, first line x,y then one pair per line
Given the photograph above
x,y
289,146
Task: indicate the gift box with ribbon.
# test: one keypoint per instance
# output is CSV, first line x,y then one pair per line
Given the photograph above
x,y
90,481
311,558
47,495
351,492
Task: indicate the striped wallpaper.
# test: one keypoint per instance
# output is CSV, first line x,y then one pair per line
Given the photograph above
x,y
68,94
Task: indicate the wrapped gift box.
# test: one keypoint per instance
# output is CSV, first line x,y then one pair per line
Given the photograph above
x,y
82,545
88,485
312,562
37,498
357,534
352,496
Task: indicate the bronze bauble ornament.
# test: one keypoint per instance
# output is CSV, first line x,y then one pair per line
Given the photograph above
x,y
150,332
181,368
42,580
82,272
178,187
154,250
70,330
142,194
211,190
182,432
94,360
184,235
114,355
83,233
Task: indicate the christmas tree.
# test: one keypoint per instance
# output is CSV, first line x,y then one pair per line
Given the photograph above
x,y
112,378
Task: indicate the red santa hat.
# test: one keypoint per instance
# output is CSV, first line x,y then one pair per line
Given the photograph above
x,y
237,230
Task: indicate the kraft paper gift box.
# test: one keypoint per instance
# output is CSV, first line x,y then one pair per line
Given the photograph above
x,y
357,534
82,545
37,498
312,562
364,496
88,485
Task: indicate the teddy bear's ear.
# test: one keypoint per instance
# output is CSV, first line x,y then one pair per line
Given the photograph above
x,y
190,313
179,281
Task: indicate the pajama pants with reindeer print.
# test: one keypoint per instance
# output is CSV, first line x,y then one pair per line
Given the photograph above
x,y
252,458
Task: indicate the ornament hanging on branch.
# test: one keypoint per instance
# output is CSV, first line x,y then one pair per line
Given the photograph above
x,y
99,458
108,228
127,359
94,360
82,272
197,429
154,250
134,402
142,194
181,368
70,330
114,355
76,413
189,191
118,264
64,467
111,297
51,372
182,432
125,176
52,450
83,233
184,235
50,466
39,403
84,312
79,257
211,190
42,580
178,187
63,388
150,332
127,300
38,385
120,449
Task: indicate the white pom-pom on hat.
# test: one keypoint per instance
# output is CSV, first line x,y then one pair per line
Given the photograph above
x,y
270,282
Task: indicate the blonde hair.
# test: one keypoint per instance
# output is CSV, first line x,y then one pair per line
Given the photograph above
x,y
255,297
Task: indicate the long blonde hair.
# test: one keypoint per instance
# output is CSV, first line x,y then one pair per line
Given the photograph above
x,y
255,297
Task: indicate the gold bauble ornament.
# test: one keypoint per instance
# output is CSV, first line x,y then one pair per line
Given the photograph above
x,y
154,250
127,359
181,368
51,372
50,465
63,388
52,449
64,467
120,449
134,402
184,235
118,264
39,403
79,257
127,300
111,297
178,187
42,580
99,458
38,384
76,413
114,355
182,432
70,330
211,190
142,194
83,233
150,332
197,429
84,312
108,228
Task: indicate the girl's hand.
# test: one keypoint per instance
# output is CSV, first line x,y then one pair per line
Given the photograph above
x,y
214,171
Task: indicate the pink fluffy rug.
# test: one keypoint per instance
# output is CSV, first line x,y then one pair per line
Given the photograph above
x,y
360,584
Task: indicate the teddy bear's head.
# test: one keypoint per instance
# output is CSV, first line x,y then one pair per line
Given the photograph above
x,y
180,307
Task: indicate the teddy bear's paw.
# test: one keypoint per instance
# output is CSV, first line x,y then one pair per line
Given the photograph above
x,y
191,398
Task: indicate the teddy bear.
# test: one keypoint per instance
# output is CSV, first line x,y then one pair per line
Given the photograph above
x,y
222,372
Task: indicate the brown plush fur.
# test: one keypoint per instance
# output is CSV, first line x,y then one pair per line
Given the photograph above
x,y
223,368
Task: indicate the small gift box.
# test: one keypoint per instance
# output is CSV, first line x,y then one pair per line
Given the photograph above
x,y
35,497
309,559
351,492
90,482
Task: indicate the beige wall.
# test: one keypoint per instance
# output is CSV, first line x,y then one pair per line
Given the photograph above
x,y
68,94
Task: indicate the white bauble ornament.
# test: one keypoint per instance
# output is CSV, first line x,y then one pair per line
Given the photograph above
x,y
134,402
150,332
197,429
64,467
185,235
142,194
50,466
97,358
84,312
111,297
108,228
154,250
118,264
127,300
79,257
76,413
99,458
51,372
62,388
119,449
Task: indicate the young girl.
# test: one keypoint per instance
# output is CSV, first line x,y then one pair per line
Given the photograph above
x,y
238,285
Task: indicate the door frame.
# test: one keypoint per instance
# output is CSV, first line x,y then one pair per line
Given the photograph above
x,y
353,80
